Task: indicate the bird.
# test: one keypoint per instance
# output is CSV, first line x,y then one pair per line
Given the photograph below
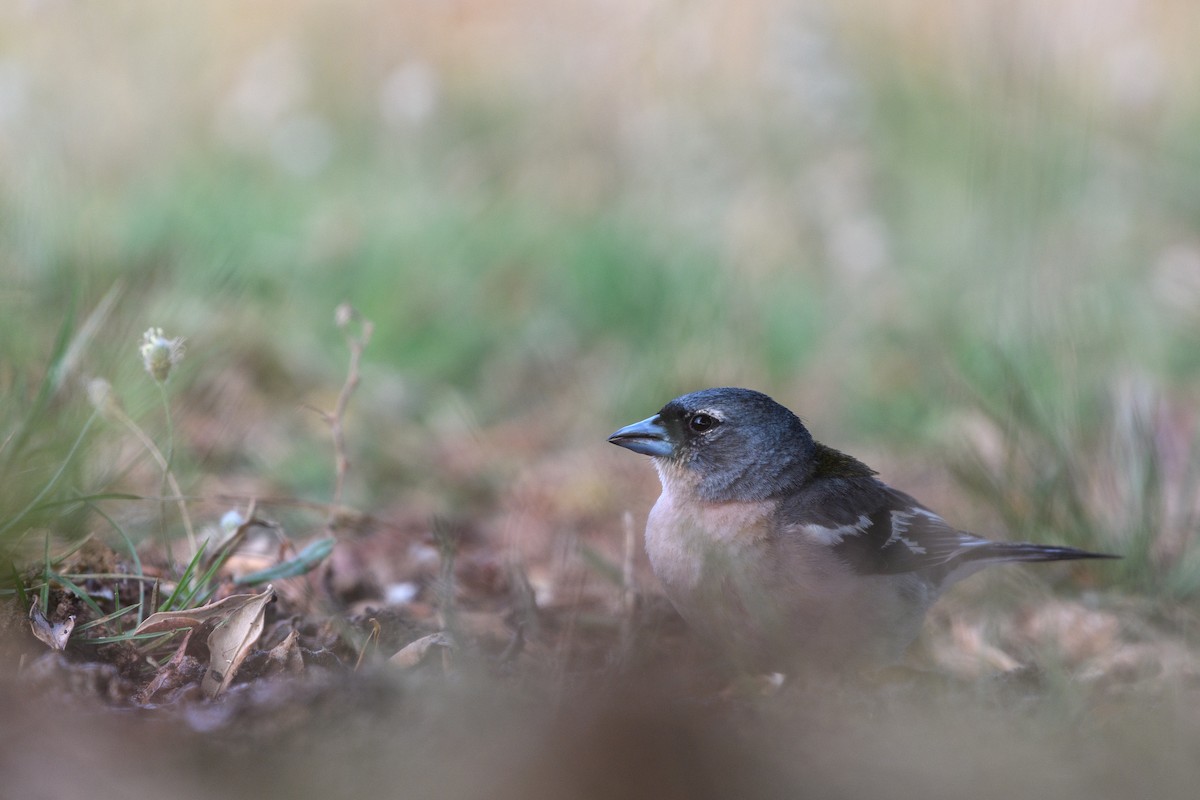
x,y
787,553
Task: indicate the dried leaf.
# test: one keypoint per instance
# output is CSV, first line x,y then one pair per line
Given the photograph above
x,y
163,621
55,634
231,640
414,653
181,669
285,656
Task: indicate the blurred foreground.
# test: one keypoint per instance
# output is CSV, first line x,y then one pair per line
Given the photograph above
x,y
425,736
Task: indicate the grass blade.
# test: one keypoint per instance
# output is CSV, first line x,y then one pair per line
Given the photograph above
x,y
133,555
33,504
75,589
184,579
105,619
304,561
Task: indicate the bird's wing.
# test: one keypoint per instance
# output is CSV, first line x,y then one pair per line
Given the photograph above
x,y
881,531
877,530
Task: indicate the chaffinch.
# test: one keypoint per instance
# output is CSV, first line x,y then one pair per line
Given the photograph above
x,y
786,551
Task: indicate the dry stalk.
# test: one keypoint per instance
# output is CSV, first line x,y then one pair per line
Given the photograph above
x,y
566,638
164,465
447,544
336,418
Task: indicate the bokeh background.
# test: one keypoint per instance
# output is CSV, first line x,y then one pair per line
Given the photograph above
x,y
961,240
946,234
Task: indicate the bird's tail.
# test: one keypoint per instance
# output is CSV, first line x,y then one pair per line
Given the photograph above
x,y
984,553
1022,551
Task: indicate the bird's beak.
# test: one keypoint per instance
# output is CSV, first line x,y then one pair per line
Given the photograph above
x,y
648,437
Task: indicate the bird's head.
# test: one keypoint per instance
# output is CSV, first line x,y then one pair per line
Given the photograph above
x,y
729,444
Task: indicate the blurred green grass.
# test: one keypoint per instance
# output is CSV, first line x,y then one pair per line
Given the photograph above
x,y
888,234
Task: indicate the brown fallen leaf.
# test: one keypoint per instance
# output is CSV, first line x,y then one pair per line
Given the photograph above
x,y
54,634
181,669
231,640
285,656
164,621
415,652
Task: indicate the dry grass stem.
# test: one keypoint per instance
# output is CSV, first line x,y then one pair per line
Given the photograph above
x,y
336,418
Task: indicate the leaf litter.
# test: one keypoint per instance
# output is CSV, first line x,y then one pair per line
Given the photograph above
x,y
55,634
555,629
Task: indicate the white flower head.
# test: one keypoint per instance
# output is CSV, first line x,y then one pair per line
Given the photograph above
x,y
159,353
231,521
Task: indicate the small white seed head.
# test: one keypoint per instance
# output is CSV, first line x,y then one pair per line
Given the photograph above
x,y
231,521
160,354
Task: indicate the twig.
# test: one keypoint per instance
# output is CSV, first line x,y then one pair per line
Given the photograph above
x,y
523,598
344,314
371,640
447,543
566,637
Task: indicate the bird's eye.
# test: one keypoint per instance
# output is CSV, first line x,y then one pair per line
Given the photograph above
x,y
699,423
